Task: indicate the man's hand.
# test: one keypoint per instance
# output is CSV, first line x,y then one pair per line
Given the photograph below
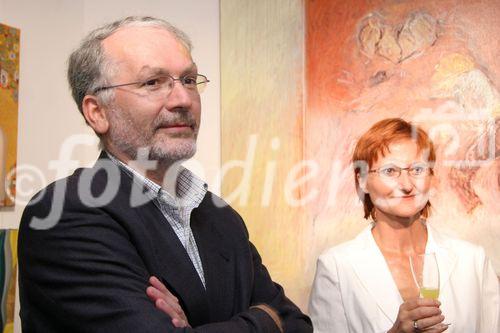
x,y
166,302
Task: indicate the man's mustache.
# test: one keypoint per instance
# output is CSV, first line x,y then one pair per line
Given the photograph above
x,y
177,118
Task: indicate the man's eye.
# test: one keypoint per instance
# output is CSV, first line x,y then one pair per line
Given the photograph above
x,y
154,83
189,80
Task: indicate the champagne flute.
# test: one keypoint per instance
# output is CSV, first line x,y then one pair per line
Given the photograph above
x,y
425,271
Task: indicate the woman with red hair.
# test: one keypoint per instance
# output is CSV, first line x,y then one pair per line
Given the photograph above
x,y
366,285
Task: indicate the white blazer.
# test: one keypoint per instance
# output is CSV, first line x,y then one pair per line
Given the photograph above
x,y
354,291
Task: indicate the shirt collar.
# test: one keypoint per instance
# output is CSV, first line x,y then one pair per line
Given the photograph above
x,y
190,189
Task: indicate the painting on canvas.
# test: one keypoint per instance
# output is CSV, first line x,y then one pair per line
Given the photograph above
x,y
9,92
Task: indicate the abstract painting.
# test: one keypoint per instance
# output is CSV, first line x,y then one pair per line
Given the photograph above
x,y
8,270
433,63
261,141
9,92
302,80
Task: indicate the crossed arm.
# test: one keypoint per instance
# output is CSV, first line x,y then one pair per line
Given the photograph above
x,y
85,275
166,302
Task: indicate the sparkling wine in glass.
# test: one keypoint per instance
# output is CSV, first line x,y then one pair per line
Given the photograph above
x,y
425,271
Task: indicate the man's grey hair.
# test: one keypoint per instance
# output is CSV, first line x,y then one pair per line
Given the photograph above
x,y
89,69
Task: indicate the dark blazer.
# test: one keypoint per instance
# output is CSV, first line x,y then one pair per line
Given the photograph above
x,y
89,272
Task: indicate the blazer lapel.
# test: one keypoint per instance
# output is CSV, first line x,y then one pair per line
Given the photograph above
x,y
372,271
445,257
175,267
217,259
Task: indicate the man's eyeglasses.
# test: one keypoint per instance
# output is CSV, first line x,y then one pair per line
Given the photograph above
x,y
162,85
393,171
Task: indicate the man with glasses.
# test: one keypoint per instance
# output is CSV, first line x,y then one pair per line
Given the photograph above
x,y
140,244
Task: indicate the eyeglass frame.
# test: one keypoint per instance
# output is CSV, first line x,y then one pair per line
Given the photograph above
x,y
143,82
425,172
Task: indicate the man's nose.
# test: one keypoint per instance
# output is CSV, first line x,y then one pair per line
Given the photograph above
x,y
179,96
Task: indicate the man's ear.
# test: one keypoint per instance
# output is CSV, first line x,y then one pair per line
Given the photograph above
x,y
95,114
362,182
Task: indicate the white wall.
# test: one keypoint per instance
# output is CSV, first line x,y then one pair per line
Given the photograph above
x,y
50,30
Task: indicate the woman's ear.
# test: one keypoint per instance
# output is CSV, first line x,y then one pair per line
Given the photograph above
x,y
95,114
362,182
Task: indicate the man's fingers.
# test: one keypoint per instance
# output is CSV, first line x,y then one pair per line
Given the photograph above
x,y
151,292
166,302
155,295
155,282
168,309
180,323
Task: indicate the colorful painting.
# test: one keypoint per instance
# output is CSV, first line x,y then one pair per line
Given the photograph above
x,y
8,270
434,63
9,91
301,80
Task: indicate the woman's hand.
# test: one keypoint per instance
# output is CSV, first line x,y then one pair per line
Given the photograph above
x,y
419,315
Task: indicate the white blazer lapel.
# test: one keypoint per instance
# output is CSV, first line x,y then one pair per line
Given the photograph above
x,y
445,257
371,268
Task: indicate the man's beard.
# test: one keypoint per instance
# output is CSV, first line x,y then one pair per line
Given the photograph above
x,y
127,138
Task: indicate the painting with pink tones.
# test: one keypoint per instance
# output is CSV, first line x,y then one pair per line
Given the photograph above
x,y
302,80
434,63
